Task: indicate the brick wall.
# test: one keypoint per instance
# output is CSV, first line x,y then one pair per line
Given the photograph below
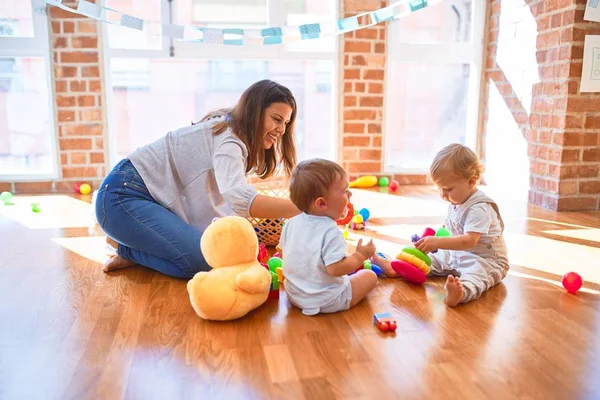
x,y
76,59
561,126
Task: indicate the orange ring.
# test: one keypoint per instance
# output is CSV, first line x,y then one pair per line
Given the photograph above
x,y
349,215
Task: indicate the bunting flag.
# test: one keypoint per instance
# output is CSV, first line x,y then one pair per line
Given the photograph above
x,y
238,36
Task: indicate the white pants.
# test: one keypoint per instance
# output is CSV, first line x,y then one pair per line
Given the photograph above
x,y
476,274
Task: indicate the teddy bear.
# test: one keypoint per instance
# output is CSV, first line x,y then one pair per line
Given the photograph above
x,y
237,283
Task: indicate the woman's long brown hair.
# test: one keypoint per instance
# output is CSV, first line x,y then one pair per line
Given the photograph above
x,y
245,120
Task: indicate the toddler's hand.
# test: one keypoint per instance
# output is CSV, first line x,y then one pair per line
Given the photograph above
x,y
366,250
428,244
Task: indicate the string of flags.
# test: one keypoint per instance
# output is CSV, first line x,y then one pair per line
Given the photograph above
x,y
239,36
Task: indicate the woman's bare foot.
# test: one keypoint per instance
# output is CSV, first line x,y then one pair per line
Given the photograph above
x,y
116,263
386,266
454,291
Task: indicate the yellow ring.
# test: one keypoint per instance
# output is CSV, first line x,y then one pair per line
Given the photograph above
x,y
417,262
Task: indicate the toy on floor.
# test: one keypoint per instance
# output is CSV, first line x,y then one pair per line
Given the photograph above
x,y
349,213
35,207
385,322
366,181
369,265
384,181
572,281
6,198
357,223
237,283
412,265
394,185
83,188
442,232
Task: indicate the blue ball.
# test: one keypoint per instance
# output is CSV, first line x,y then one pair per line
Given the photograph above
x,y
376,269
365,214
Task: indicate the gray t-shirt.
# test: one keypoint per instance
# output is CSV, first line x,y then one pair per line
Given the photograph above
x,y
197,175
309,244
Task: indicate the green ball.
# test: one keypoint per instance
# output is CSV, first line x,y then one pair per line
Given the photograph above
x,y
384,181
367,264
274,263
6,197
443,232
35,207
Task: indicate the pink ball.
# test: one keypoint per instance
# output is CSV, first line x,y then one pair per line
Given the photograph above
x,y
572,282
393,185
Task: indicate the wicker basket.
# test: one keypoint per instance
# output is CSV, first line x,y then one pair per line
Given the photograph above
x,y
269,230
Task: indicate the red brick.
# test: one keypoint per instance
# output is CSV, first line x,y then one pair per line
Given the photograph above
x,y
78,157
359,60
79,57
79,172
361,115
57,13
86,101
66,101
55,27
592,122
347,87
370,154
351,73
60,42
591,154
68,27
375,128
371,101
588,187
33,187
354,128
575,69
75,144
574,121
88,26
567,187
555,20
570,155
411,179
91,115
588,171
363,167
375,74
95,86
346,60
577,204
66,116
375,88
61,86
379,48
350,154
356,141
351,46
359,87
583,104
367,33
84,42
78,86
349,101
376,141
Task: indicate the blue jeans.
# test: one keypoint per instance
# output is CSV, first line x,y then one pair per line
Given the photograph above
x,y
147,233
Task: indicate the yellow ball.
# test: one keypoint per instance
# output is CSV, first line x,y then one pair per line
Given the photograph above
x,y
85,189
345,233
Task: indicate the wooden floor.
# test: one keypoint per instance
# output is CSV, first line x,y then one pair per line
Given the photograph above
x,y
67,330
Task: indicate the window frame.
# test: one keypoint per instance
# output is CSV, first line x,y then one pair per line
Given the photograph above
x,y
209,52
471,53
37,46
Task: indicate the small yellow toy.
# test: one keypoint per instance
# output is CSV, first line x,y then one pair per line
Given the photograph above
x,y
366,181
237,283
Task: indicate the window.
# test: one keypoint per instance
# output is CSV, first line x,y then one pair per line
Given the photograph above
x,y
432,90
151,92
27,138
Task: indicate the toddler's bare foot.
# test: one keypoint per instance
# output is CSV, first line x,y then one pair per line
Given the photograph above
x,y
116,263
386,265
454,291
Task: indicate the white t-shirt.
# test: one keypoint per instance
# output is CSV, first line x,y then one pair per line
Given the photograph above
x,y
309,244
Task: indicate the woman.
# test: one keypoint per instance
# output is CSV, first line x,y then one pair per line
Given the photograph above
x,y
155,204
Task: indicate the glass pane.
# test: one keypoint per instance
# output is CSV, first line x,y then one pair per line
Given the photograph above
x,y
426,109
223,13
16,19
299,12
154,96
127,38
25,127
445,22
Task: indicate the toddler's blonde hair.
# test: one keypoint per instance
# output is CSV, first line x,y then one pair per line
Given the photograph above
x,y
458,160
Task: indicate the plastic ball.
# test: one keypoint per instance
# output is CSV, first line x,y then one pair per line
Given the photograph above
x,y
384,181
35,207
443,232
6,197
384,326
393,326
365,214
367,264
85,189
345,233
572,282
77,187
274,263
394,185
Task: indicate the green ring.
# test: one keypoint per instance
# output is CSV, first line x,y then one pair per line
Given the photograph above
x,y
418,253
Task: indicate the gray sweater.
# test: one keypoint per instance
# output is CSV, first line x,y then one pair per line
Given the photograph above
x,y
197,175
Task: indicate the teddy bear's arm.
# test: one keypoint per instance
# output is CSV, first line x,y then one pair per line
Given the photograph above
x,y
255,279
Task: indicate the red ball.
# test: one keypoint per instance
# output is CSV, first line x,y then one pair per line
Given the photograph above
x,y
394,185
572,282
384,326
76,187
393,326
